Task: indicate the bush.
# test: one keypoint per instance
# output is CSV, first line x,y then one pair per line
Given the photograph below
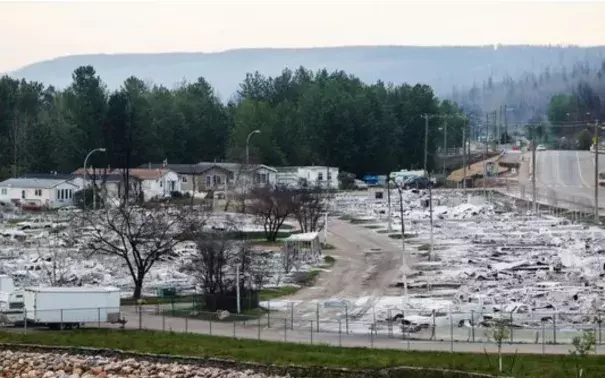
x,y
176,194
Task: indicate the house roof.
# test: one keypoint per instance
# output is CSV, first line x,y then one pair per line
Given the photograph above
x,y
178,168
233,167
117,174
33,183
144,173
52,176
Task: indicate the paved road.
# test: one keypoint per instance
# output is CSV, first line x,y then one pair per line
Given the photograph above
x,y
277,332
567,175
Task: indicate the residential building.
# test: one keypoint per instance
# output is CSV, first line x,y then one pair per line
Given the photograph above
x,y
38,193
322,176
218,176
152,183
189,174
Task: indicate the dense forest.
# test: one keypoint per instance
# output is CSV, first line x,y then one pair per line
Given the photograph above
x,y
304,117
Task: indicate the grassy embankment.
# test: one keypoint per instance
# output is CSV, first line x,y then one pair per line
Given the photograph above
x,y
546,366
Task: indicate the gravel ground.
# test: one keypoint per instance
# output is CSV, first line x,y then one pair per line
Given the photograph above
x,y
48,365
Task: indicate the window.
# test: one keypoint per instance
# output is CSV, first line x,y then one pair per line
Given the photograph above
x,y
4,191
71,193
263,178
329,175
231,175
216,179
161,183
38,192
184,178
320,176
208,181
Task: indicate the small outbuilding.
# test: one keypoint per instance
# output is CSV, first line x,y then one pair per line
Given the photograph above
x,y
301,249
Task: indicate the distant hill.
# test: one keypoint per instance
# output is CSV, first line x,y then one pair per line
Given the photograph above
x,y
441,67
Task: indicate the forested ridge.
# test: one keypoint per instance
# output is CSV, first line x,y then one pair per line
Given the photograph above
x,y
304,117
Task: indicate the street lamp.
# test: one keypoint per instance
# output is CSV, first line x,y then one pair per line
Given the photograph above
x,y
248,145
86,176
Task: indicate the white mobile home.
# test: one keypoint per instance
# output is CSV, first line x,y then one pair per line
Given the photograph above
x,y
36,193
324,177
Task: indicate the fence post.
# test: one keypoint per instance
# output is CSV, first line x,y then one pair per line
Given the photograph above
x,y
599,323
140,319
99,316
347,318
543,338
451,333
234,330
371,337
258,328
25,320
285,330
554,328
163,322
317,316
339,333
292,315
511,327
389,323
268,314
186,324
311,328
473,325
61,319
210,325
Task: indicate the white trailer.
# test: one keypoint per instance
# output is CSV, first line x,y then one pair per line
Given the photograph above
x,y
69,307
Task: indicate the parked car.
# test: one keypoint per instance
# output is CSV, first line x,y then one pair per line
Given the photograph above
x,y
417,183
541,147
360,184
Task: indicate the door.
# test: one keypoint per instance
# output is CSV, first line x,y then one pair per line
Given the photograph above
x,y
23,194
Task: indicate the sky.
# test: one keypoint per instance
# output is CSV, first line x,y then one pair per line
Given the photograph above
x,y
34,31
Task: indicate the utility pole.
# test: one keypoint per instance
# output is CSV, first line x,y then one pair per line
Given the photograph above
x,y
444,146
403,260
426,141
464,157
533,169
431,215
596,172
505,125
486,134
389,224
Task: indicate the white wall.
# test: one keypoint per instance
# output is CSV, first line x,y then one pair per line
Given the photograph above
x,y
62,195
312,175
163,186
40,197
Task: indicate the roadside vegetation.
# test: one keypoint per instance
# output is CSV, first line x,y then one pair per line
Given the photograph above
x,y
543,366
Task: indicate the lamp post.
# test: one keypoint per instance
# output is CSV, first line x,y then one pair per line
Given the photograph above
x,y
94,199
248,145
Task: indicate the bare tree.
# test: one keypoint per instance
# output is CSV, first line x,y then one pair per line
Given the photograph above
x,y
309,204
56,267
215,264
271,206
139,236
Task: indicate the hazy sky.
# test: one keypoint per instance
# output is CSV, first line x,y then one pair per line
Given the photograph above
x,y
34,31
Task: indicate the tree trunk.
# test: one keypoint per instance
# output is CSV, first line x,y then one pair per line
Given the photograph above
x,y
138,286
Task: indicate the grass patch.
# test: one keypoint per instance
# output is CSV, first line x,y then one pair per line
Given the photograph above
x,y
361,221
265,352
398,236
424,247
329,260
310,278
159,300
345,217
276,292
373,226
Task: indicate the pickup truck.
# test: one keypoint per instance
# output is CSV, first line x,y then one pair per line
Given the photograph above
x,y
519,315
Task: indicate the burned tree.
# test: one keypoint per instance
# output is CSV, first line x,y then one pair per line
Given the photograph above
x,y
309,205
220,265
271,206
138,236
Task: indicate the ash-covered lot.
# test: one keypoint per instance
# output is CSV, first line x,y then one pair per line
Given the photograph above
x,y
490,260
53,249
